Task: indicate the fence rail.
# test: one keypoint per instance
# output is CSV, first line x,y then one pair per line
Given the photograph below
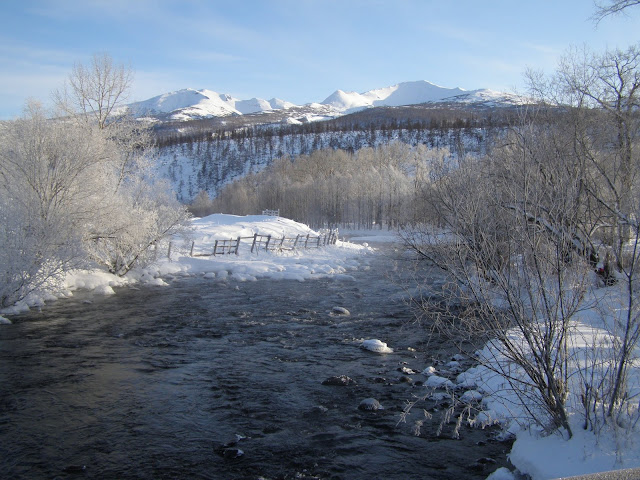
x,y
267,243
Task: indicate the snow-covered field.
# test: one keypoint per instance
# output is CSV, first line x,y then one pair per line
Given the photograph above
x,y
541,457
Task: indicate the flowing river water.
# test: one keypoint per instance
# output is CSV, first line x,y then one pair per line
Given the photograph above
x,y
227,380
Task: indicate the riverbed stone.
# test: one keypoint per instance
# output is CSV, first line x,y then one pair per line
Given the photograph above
x,y
370,404
340,311
232,453
339,381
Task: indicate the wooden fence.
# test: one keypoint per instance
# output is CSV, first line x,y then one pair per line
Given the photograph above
x,y
271,213
268,243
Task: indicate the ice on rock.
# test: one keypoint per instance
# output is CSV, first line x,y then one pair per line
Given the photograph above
x,y
375,345
431,370
340,311
104,290
471,396
370,404
435,381
453,365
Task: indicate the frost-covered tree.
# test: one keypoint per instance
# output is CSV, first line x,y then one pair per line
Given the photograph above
x,y
138,214
51,184
141,216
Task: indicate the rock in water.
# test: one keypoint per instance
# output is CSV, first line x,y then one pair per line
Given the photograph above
x,y
340,381
375,345
340,311
370,404
231,453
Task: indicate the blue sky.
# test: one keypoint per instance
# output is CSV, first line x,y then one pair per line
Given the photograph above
x,y
297,50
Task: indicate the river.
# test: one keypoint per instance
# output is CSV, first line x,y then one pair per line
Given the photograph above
x,y
227,380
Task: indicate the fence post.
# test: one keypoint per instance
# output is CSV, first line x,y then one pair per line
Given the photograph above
x,y
215,247
255,237
169,252
192,245
306,241
237,245
266,247
296,242
319,239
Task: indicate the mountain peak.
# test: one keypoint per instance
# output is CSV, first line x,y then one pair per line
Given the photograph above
x,y
405,93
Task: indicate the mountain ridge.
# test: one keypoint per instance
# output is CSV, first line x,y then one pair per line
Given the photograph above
x,y
189,104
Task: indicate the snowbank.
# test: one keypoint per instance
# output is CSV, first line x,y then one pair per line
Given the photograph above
x,y
300,264
585,452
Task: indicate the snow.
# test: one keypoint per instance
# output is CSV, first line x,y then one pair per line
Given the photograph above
x,y
375,345
406,93
430,370
279,104
189,103
435,381
586,452
253,105
333,261
501,474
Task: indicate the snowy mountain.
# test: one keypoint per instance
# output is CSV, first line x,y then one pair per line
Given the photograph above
x,y
407,93
188,104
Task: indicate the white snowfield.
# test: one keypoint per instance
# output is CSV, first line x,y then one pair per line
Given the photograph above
x,y
538,455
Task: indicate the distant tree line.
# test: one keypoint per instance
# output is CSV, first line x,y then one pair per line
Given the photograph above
x,y
382,120
223,157
369,188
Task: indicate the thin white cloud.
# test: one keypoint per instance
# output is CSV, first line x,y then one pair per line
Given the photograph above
x,y
210,56
10,52
544,49
107,9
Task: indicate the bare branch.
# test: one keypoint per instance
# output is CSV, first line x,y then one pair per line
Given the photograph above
x,y
612,7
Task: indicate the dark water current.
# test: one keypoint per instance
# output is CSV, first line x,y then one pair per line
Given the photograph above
x,y
160,382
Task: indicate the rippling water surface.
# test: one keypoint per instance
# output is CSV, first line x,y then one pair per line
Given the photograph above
x,y
170,382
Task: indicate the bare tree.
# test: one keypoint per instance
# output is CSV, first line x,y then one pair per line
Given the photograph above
x,y
526,226
505,236
96,90
53,181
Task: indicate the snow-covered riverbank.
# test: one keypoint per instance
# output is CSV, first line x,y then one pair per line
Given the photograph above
x,y
300,264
